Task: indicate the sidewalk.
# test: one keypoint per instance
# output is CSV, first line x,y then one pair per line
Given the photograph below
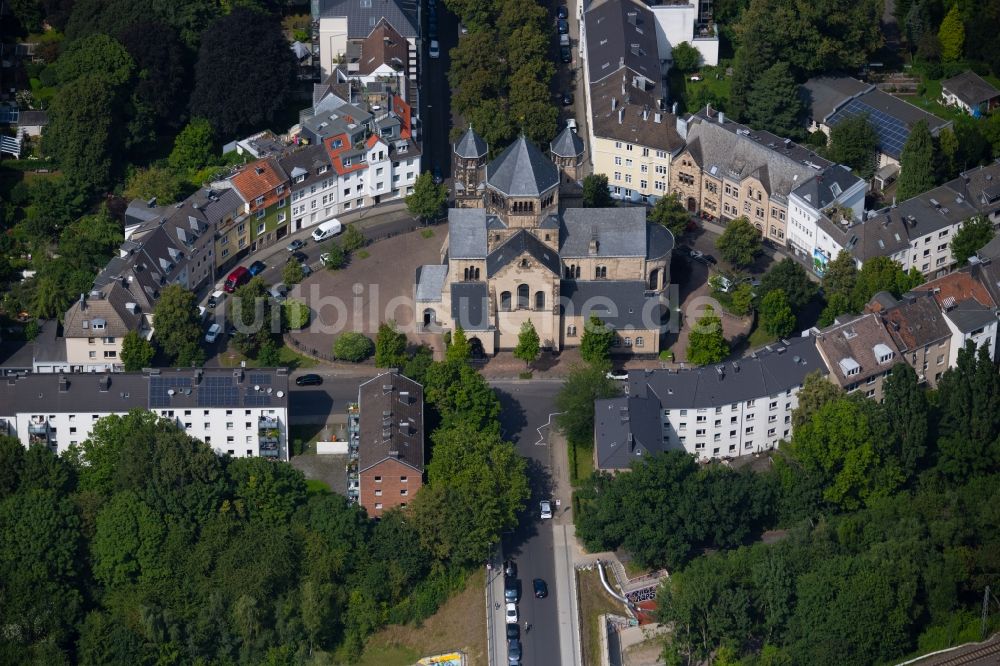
x,y
496,622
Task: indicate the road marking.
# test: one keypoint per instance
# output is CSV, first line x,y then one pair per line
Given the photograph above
x,y
541,438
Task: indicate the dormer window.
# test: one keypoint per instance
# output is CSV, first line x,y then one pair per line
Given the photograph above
x,y
258,201
299,179
323,169
337,143
281,188
883,353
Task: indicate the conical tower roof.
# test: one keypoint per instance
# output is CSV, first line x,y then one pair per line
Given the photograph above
x,y
522,170
567,144
471,146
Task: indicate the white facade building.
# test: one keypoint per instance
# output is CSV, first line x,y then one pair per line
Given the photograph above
x,y
836,186
240,413
676,23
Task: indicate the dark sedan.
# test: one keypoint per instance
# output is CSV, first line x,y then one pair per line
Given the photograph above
x,y
298,256
565,54
567,98
541,589
257,267
562,12
309,380
563,26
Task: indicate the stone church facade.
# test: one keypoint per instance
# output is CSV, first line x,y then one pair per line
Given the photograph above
x,y
512,255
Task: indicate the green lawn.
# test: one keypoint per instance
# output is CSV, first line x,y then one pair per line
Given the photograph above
x,y
289,358
930,100
581,462
759,337
314,487
713,79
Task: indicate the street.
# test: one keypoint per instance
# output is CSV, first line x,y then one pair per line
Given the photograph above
x,y
435,95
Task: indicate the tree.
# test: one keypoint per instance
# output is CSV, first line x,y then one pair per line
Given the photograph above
x,y
137,352
687,58
244,72
969,395
853,142
98,55
178,328
254,316
353,347
816,391
881,274
740,243
916,164
907,412
595,191
428,200
292,273
952,35
296,313
596,341
774,103
156,182
390,346
776,316
268,355
127,542
836,305
461,396
458,349
82,135
193,147
528,344
163,78
706,344
788,276
669,212
970,238
575,401
840,275
336,258
486,477
741,299
353,239
269,492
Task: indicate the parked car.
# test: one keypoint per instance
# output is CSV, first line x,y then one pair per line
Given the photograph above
x,y
546,509
279,291
510,569
432,29
309,380
296,244
511,590
298,256
513,631
326,230
695,77
564,40
305,269
215,299
710,259
571,123
563,26
562,11
567,98
256,268
213,333
513,651
438,179
565,54
541,589
323,257
511,613
435,49
239,276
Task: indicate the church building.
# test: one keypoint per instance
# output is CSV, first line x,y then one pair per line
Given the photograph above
x,y
512,255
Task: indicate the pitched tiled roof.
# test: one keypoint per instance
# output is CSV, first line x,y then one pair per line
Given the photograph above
x,y
260,179
104,316
522,170
337,147
970,88
384,46
622,304
852,343
621,33
956,287
364,15
391,421
915,322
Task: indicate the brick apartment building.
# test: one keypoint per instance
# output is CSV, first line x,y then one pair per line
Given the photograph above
x,y
391,442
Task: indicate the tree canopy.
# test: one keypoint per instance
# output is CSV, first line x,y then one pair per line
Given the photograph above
x,y
706,343
390,346
669,212
970,238
178,328
528,346
584,384
428,200
595,191
916,165
740,243
596,341
853,142
788,276
776,316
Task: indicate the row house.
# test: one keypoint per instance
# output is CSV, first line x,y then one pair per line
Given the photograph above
x,y
264,187
916,233
349,32
632,134
721,411
726,171
237,413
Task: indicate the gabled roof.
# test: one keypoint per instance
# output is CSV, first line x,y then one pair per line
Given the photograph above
x,y
101,316
621,33
827,186
306,161
626,429
259,179
467,233
620,232
950,290
522,242
522,170
430,282
364,15
851,343
971,88
567,144
622,304
915,322
391,421
470,146
384,46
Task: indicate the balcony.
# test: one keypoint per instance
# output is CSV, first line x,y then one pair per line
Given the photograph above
x,y
39,427
267,423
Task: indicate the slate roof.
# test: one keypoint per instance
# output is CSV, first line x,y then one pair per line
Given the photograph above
x,y
621,232
732,151
970,88
915,322
33,117
391,421
621,33
659,241
855,339
634,117
824,189
567,144
991,250
622,304
470,305
522,242
767,372
471,145
626,429
522,170
363,15
467,233
430,282
110,308
306,161
980,185
969,315
200,388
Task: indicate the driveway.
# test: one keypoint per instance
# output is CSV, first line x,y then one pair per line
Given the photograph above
x,y
368,291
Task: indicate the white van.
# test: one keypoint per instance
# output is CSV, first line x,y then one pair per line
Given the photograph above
x,y
326,230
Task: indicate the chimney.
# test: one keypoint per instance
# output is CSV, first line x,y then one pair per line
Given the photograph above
x,y
83,301
104,383
197,376
595,243
238,375
614,103
722,118
673,108
621,116
63,384
645,113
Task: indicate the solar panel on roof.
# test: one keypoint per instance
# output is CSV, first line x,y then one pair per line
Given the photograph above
x,y
159,387
892,133
257,400
260,378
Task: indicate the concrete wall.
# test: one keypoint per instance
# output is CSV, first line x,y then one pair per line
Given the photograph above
x,y
676,24
332,42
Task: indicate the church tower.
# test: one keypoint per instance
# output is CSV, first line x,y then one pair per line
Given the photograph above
x,y
469,170
567,153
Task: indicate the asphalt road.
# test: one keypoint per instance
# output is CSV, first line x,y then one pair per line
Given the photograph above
x,y
312,402
435,95
526,406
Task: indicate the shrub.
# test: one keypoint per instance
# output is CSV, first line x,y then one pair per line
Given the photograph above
x,y
296,313
353,347
353,239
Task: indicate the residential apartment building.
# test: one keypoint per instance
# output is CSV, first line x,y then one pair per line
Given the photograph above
x,y
920,332
918,232
835,190
969,308
721,411
726,171
632,136
95,326
345,25
264,187
238,413
313,186
678,22
390,442
859,353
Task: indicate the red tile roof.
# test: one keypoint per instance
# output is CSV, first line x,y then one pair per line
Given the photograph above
x,y
260,179
957,287
403,111
336,154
